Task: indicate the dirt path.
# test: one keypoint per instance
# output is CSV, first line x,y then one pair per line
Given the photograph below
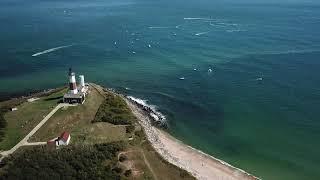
x,y
149,166
24,141
144,159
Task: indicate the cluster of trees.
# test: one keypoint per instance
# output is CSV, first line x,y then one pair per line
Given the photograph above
x,y
73,162
114,110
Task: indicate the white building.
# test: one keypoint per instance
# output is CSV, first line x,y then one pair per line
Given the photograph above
x,y
63,140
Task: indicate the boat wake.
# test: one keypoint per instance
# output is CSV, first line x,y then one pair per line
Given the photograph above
x,y
194,18
51,50
152,111
235,30
202,33
159,27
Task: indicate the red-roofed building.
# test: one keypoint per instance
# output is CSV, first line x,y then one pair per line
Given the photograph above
x,y
63,139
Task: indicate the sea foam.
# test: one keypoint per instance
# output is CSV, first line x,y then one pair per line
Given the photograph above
x,y
151,109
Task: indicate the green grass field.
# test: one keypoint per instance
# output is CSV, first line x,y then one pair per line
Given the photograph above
x,y
74,120
28,115
103,118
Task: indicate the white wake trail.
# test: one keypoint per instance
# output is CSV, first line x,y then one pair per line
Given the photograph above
x,y
51,50
159,27
192,18
202,33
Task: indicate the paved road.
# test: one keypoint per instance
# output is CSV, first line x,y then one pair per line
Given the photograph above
x,y
24,141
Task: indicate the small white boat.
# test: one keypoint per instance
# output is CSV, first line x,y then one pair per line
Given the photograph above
x,y
195,69
133,52
149,46
209,70
259,79
182,78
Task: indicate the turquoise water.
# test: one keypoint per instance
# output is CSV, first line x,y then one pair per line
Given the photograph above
x,y
269,128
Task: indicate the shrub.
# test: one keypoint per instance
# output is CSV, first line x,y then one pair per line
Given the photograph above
x,y
130,129
117,170
123,158
114,110
128,173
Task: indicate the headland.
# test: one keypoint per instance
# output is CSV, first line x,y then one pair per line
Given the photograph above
x,y
157,150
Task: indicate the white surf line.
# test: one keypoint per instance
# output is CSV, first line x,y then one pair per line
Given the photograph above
x,y
201,33
51,50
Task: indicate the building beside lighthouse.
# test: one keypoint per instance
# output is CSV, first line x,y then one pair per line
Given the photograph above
x,y
76,94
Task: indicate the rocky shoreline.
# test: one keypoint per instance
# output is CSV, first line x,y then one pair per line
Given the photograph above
x,y
200,165
157,119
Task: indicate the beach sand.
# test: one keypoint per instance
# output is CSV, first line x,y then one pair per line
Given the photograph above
x,y
199,164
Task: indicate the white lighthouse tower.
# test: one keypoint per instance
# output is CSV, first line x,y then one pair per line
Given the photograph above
x,y
72,82
75,95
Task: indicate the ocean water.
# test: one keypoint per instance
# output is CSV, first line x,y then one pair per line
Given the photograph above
x,y
259,107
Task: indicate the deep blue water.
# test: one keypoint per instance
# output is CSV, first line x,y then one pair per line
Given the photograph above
x,y
269,127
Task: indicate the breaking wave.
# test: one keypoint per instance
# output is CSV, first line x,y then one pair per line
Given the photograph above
x,y
152,111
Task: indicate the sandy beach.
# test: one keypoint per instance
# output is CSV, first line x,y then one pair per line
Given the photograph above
x,y
199,164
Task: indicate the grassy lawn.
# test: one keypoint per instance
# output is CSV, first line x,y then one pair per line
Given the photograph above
x,y
28,115
99,133
103,118
78,122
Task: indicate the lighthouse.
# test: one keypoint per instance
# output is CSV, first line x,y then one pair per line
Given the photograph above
x,y
72,82
76,94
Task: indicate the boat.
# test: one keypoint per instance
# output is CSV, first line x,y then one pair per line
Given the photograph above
x,y
182,78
